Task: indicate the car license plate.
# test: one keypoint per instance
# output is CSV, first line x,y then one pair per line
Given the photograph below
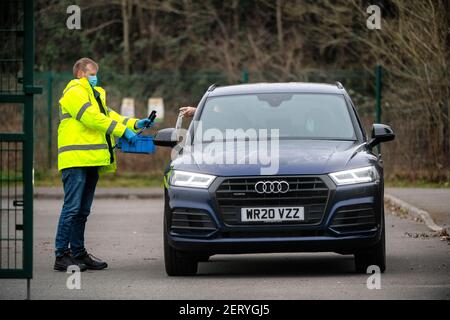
x,y
275,214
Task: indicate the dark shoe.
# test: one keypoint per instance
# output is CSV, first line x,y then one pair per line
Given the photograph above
x,y
63,262
90,261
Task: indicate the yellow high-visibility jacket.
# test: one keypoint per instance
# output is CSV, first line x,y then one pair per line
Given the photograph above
x,y
87,127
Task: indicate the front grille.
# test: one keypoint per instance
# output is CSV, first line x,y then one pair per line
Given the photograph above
x,y
193,222
308,192
354,218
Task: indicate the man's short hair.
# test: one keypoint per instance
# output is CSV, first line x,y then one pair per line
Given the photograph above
x,y
82,64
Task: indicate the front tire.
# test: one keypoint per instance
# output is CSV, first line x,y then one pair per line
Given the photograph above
x,y
176,263
373,256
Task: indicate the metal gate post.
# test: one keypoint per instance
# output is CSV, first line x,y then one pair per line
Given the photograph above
x,y
378,87
245,76
28,129
49,118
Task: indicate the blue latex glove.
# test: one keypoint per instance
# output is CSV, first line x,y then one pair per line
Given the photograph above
x,y
130,136
143,123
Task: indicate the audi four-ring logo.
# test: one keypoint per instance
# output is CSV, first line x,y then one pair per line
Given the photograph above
x,y
272,187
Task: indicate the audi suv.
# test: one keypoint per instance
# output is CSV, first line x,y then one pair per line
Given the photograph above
x,y
273,167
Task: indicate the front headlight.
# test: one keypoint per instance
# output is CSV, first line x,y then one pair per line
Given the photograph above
x,y
360,175
191,179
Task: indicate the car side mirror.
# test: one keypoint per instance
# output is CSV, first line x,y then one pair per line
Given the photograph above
x,y
166,137
381,133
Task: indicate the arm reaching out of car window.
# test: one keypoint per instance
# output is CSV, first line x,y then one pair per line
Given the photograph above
x,y
188,111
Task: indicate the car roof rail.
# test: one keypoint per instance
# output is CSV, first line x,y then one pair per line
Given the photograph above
x,y
212,87
339,85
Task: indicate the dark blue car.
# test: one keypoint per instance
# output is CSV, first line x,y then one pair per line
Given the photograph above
x,y
282,167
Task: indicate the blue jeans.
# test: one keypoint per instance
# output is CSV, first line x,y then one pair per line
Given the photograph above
x,y
79,188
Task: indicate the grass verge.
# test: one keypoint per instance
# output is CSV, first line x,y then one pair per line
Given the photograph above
x,y
122,179
422,183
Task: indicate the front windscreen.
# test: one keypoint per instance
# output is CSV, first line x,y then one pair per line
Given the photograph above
x,y
295,115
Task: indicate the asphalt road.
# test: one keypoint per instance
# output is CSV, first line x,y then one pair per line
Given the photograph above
x,y
127,233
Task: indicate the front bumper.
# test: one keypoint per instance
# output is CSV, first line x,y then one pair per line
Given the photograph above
x,y
349,244
317,237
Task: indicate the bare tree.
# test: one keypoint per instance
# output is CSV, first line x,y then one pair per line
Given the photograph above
x,y
127,6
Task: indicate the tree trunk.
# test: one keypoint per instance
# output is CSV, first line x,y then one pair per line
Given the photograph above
x,y
280,25
126,36
141,20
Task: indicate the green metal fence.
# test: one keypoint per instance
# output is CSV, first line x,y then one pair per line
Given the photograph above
x,y
16,138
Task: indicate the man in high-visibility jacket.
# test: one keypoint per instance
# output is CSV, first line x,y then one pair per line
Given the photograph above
x,y
85,147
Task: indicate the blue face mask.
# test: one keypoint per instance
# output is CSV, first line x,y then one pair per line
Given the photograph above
x,y
92,80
